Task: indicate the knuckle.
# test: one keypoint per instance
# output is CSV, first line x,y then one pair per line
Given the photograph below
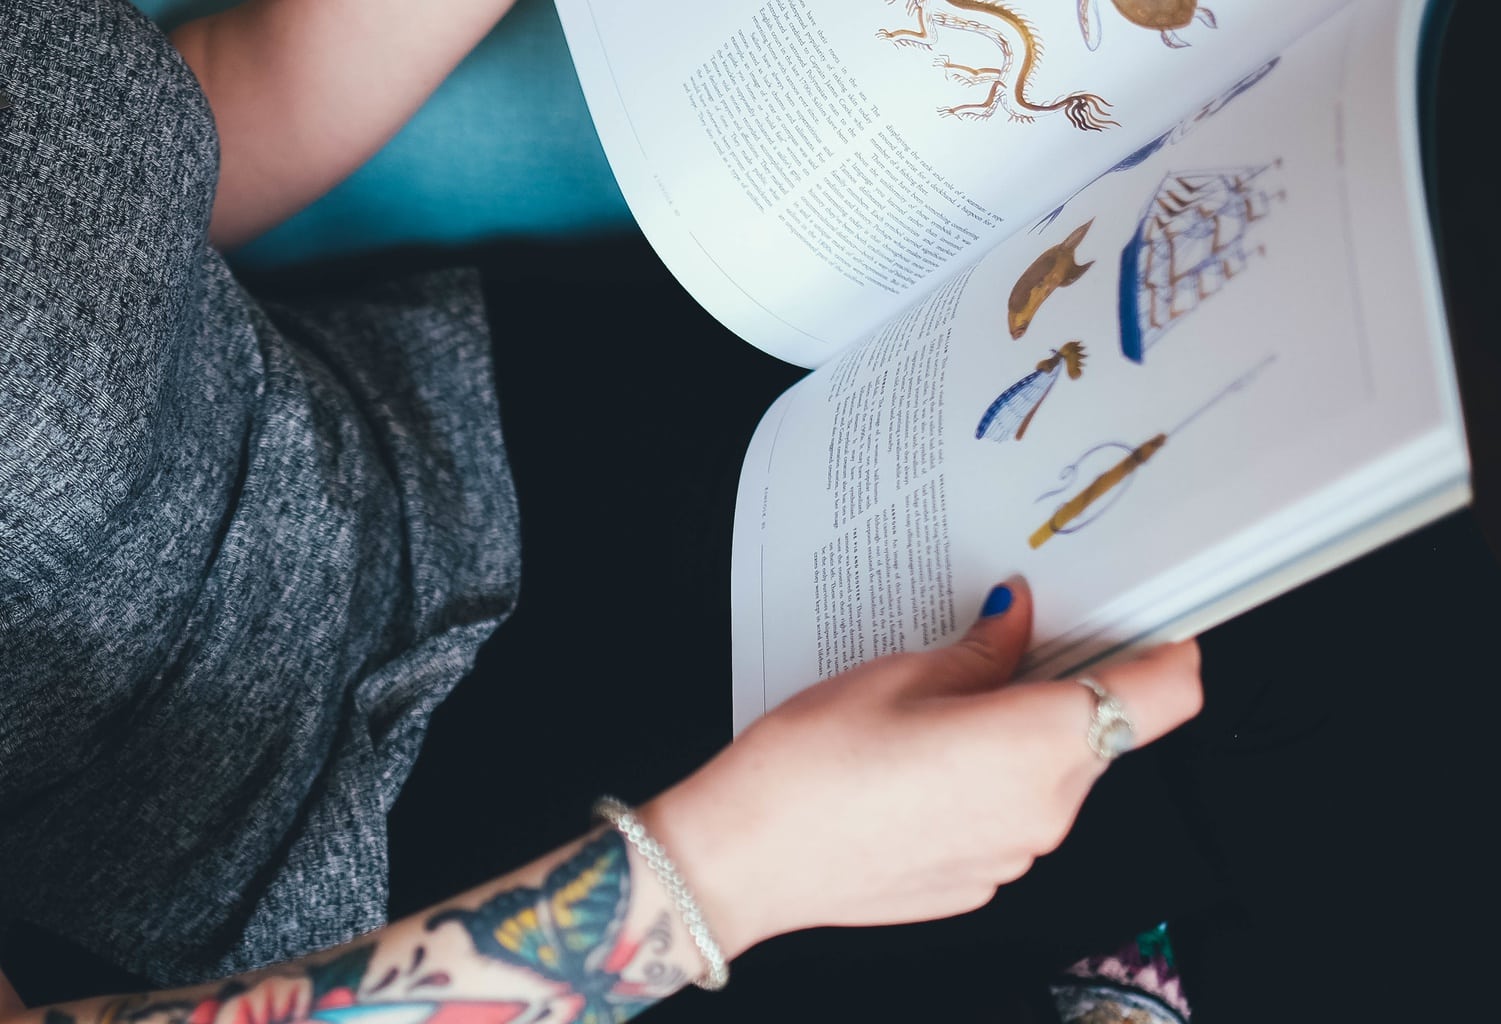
x,y
1193,655
1182,697
981,895
1013,868
1054,833
1194,700
987,658
906,661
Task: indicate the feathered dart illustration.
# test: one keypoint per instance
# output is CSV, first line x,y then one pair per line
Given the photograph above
x,y
1086,504
1056,268
1009,416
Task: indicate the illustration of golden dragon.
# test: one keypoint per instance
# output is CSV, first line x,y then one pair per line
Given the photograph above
x,y
1085,110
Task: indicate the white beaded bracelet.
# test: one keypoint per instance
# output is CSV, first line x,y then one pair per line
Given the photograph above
x,y
627,824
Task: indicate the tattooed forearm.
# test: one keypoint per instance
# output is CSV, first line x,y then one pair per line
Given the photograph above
x,y
660,973
576,947
569,931
143,1008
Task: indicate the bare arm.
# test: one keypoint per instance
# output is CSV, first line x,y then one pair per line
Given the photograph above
x,y
305,91
906,789
587,928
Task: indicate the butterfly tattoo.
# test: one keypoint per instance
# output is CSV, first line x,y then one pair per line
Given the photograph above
x,y
568,931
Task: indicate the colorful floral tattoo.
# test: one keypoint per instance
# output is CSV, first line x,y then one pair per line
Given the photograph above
x,y
565,945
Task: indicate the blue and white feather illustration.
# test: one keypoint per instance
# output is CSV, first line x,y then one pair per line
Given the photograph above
x,y
1009,416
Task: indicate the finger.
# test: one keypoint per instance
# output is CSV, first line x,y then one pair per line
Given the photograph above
x,y
1159,689
987,654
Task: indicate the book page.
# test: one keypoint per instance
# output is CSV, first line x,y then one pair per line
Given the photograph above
x,y
809,168
1167,398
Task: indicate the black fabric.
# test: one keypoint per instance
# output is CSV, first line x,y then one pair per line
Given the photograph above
x,y
244,549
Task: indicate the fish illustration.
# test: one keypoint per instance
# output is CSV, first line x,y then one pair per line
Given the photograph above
x,y
1055,268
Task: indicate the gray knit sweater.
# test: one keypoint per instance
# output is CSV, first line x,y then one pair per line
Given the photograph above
x,y
244,549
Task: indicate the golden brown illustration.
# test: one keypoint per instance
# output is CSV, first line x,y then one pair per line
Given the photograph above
x,y
1055,268
1164,16
1084,110
1094,499
1060,521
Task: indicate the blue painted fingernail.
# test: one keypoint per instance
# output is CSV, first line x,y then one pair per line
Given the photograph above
x,y
999,600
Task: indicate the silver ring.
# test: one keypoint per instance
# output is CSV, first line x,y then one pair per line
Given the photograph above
x,y
1111,733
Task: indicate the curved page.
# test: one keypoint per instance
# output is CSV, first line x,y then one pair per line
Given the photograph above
x,y
809,168
1213,372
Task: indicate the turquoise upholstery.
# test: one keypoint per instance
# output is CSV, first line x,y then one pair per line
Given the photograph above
x,y
504,149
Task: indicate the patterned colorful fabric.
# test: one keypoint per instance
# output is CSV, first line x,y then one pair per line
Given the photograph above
x,y
1136,984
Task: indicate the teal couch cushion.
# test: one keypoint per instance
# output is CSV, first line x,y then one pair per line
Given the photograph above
x,y
504,149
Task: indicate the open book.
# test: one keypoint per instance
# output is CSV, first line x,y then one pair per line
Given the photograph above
x,y
1137,298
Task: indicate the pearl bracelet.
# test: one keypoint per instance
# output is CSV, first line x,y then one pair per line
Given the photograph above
x,y
626,823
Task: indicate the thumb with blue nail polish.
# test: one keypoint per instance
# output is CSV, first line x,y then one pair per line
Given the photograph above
x,y
998,601
1000,635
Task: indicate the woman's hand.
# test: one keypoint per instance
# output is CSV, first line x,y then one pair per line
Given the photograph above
x,y
906,789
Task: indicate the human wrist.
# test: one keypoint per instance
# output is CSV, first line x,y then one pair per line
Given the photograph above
x,y
670,883
712,838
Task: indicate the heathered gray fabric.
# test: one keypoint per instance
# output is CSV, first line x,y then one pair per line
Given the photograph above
x,y
244,549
